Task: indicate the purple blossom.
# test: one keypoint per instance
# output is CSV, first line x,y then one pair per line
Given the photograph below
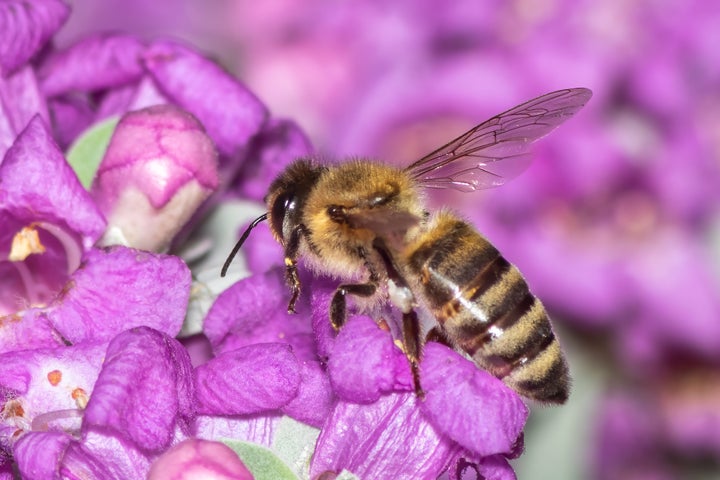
x,y
52,270
110,74
488,417
271,150
93,63
249,325
87,409
256,378
82,394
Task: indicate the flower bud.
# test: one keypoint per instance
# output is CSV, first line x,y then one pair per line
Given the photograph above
x,y
195,458
159,167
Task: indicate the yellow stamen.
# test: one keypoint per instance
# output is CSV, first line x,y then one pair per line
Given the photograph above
x,y
25,243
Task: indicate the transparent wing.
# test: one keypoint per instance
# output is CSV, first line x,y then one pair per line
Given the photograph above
x,y
497,150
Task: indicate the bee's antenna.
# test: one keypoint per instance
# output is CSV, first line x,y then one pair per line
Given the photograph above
x,y
240,242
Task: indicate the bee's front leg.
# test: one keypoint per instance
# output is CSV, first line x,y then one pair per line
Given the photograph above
x,y
291,275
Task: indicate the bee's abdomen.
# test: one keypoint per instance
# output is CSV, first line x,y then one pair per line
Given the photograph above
x,y
486,308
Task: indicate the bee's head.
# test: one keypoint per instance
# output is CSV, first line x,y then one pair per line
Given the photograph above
x,y
285,200
287,194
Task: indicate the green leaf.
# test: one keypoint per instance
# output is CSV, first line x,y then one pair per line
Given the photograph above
x,y
261,462
85,154
294,443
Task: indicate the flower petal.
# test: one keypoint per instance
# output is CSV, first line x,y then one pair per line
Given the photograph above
x,y
381,440
103,456
254,310
71,115
258,429
47,381
38,454
315,396
495,467
25,27
94,63
27,330
37,178
20,101
252,379
144,390
382,367
229,111
468,404
127,98
7,471
322,291
120,288
261,251
278,144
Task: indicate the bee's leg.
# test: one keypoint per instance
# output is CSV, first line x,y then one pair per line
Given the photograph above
x,y
291,275
338,305
402,297
413,347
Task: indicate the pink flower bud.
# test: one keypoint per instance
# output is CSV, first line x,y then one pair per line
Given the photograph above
x,y
195,458
159,167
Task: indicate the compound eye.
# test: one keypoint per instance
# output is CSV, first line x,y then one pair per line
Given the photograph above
x,y
283,206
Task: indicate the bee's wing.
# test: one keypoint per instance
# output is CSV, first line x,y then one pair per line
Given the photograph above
x,y
386,221
497,150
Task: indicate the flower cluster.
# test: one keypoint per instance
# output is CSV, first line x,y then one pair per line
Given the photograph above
x,y
113,150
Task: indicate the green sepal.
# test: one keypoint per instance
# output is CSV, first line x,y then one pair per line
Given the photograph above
x,y
88,150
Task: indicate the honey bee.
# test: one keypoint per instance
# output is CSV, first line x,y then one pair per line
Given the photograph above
x,y
365,222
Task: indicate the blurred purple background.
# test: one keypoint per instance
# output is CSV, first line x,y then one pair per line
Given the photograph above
x,y
616,223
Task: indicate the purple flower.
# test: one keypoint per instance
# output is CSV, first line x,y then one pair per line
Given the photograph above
x,y
250,330
104,75
466,412
102,409
614,225
56,286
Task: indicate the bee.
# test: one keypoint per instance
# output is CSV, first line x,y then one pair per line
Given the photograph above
x,y
365,222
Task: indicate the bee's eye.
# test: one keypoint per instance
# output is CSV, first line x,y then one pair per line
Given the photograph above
x,y
283,206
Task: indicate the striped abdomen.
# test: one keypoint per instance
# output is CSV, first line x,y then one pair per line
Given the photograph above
x,y
484,306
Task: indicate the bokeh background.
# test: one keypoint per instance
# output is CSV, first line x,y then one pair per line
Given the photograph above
x,y
615,225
